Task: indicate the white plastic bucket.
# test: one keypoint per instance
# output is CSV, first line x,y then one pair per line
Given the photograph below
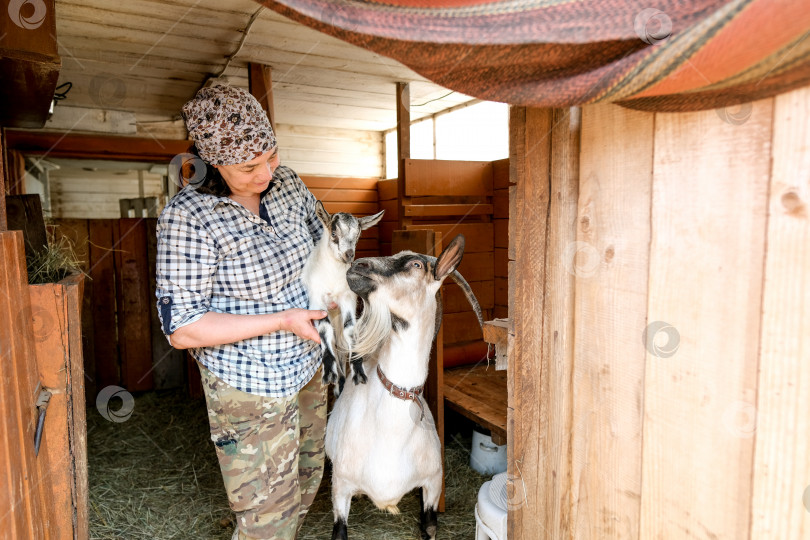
x,y
487,457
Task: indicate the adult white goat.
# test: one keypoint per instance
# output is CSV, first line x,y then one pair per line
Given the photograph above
x,y
324,276
380,436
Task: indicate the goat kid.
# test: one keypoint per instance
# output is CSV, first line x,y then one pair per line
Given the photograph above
x,y
324,276
380,436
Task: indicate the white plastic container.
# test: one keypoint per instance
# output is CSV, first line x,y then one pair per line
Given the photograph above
x,y
487,457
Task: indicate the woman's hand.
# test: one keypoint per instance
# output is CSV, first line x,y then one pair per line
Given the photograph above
x,y
299,322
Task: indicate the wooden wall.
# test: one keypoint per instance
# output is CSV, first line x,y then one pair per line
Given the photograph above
x,y
77,193
321,151
661,311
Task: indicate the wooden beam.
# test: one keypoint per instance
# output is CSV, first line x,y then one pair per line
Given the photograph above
x,y
260,82
68,145
529,161
403,147
3,225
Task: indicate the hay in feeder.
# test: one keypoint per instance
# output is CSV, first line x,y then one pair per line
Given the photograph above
x,y
155,476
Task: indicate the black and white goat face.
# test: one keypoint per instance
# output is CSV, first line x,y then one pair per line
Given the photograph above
x,y
405,286
344,230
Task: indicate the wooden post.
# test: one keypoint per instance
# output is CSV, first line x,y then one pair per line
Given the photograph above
x,y
529,162
403,147
260,82
3,225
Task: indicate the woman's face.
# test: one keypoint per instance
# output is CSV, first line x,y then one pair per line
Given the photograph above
x,y
251,177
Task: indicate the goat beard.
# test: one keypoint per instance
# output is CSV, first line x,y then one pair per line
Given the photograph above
x,y
373,328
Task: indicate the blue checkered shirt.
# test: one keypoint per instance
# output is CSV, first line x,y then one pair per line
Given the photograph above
x,y
216,255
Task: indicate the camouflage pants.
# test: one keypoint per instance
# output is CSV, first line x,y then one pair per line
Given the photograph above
x,y
271,454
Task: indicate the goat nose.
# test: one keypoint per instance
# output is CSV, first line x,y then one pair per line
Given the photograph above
x,y
349,254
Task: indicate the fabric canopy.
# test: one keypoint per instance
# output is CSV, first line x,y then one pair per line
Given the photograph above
x,y
675,56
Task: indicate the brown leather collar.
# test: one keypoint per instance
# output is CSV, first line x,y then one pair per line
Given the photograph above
x,y
406,394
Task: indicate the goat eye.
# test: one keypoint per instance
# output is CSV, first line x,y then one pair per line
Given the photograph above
x,y
416,264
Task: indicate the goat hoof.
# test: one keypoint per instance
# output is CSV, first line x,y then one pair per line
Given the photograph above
x,y
329,377
359,377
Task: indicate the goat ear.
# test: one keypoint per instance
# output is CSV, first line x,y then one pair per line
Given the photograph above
x,y
450,258
322,214
370,221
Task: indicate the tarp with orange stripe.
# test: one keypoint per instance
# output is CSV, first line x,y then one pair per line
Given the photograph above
x,y
664,55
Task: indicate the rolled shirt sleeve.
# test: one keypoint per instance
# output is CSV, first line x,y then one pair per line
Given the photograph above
x,y
187,259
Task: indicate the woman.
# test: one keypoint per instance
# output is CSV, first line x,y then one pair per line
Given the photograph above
x,y
230,255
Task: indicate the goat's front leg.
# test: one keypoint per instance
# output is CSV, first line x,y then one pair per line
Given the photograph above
x,y
349,325
428,503
341,503
331,369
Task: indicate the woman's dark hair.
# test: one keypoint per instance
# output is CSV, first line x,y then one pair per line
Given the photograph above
x,y
212,183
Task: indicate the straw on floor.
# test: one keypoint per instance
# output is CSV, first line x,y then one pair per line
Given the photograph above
x,y
155,476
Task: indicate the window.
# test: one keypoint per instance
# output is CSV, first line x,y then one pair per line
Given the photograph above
x,y
479,132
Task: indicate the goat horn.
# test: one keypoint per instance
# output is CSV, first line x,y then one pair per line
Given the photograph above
x,y
459,279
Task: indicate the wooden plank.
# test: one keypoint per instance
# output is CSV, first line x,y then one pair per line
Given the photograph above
x,y
556,365
21,492
782,461
477,266
387,189
390,208
501,204
102,275
527,463
77,231
501,291
500,174
167,361
478,393
403,109
461,327
478,237
357,208
501,262
77,425
24,213
501,232
94,146
447,177
610,261
345,195
387,229
432,210
315,182
710,177
455,300
132,290
56,310
3,217
260,83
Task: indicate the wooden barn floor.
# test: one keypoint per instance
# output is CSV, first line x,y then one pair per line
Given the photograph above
x,y
155,476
